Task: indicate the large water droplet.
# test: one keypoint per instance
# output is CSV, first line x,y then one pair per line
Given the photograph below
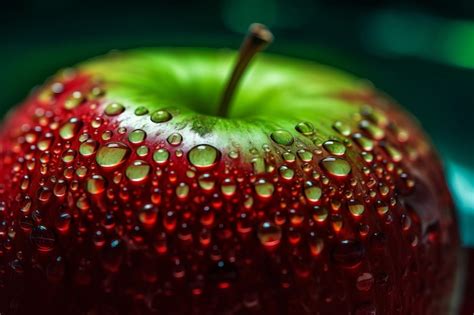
x,y
203,156
112,155
282,137
337,167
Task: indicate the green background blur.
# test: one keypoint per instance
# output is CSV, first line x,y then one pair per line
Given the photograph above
x,y
422,55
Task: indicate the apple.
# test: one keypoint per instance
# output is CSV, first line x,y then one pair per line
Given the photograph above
x,y
147,182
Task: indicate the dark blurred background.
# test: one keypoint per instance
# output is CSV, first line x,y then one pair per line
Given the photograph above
x,y
420,52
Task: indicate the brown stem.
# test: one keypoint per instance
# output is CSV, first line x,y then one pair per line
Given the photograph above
x,y
256,40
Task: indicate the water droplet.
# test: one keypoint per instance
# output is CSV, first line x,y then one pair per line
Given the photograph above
x,y
161,156
286,172
374,115
320,214
337,167
304,155
342,128
394,153
142,150
228,187
95,184
356,208
289,157
114,109
365,281
348,253
269,234
335,147
141,110
137,136
70,129
137,171
374,131
68,156
206,182
264,189
282,137
42,238
364,142
160,116
203,156
88,148
258,164
182,191
305,128
175,139
74,100
312,193
112,154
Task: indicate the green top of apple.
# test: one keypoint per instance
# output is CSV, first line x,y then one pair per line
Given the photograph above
x,y
276,93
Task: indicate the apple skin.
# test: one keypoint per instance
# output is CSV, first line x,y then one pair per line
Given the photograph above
x,y
122,193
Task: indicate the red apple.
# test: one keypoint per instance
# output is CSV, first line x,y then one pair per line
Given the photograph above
x,y
125,188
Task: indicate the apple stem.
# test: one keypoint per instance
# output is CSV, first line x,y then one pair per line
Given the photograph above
x,y
258,37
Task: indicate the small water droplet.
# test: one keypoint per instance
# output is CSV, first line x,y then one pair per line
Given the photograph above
x,y
70,129
137,136
161,156
264,189
96,184
365,143
88,148
141,110
269,234
42,238
342,128
348,253
365,281
160,116
286,172
356,208
74,100
335,147
112,155
312,193
182,191
374,131
203,156
305,128
114,109
175,139
206,182
282,137
138,171
304,155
